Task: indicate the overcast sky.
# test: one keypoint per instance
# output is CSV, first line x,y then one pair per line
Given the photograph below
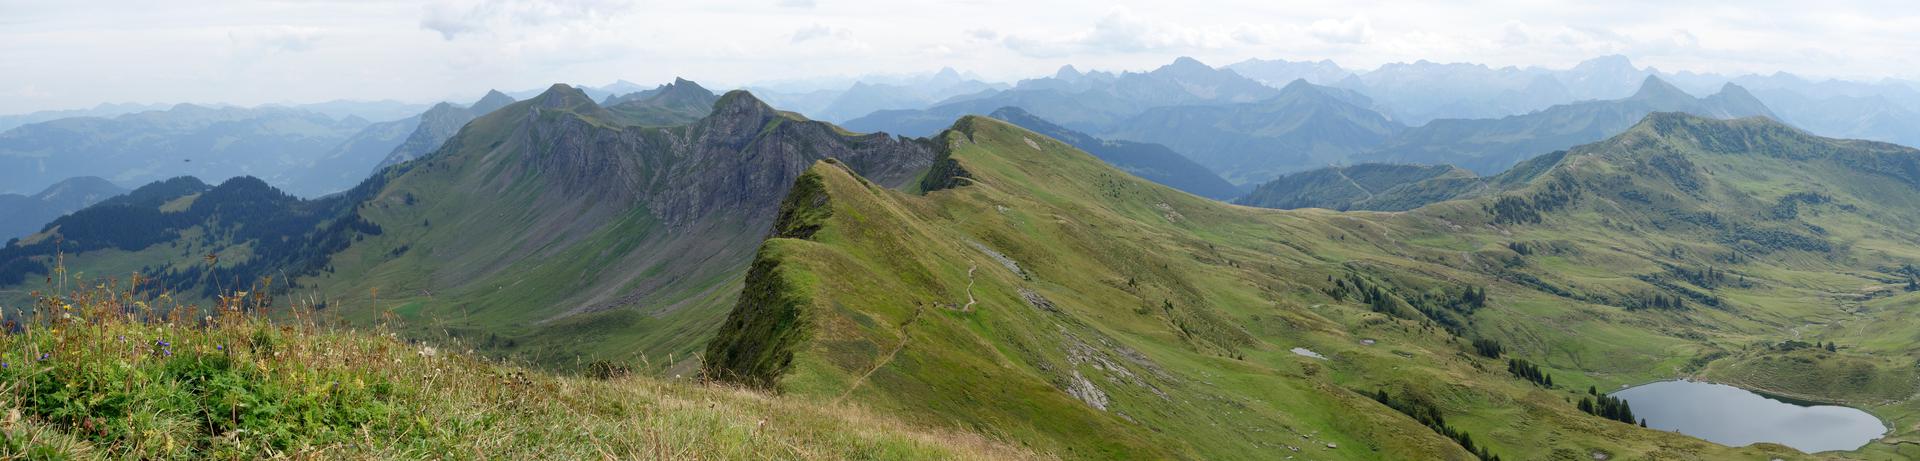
x,y
76,53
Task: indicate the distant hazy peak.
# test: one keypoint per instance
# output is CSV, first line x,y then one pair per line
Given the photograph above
x,y
1609,62
1733,89
561,95
1067,72
1655,88
493,100
1186,64
683,86
1299,85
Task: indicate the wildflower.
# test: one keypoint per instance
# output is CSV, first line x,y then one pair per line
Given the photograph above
x,y
44,356
3,365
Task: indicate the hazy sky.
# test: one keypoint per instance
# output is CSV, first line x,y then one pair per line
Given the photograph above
x,y
76,53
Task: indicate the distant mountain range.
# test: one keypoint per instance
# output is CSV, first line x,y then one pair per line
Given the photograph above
x,y
1250,142
1489,146
1088,102
673,104
8,122
25,214
1249,122
186,140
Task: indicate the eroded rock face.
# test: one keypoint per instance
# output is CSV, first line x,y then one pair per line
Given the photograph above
x,y
741,159
1084,390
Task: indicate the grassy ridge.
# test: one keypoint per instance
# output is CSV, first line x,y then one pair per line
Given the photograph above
x,y
110,372
1044,296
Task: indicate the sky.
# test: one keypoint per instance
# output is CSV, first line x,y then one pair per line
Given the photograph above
x,y
74,54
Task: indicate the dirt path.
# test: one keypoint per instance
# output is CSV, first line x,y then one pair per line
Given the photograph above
x,y
905,335
970,300
1355,184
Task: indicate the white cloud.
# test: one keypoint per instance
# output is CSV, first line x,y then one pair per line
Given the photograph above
x,y
454,18
817,31
1120,31
279,38
794,3
1355,30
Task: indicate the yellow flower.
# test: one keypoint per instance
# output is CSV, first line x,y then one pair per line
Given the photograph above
x,y
66,306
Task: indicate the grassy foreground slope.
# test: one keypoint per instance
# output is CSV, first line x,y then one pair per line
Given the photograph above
x,y
1036,294
88,382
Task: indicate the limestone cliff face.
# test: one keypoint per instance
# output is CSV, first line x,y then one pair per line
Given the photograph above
x,y
738,161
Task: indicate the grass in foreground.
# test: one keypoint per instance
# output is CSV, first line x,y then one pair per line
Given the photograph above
x,y
109,372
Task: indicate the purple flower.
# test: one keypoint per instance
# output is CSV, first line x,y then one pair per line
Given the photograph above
x,y
44,356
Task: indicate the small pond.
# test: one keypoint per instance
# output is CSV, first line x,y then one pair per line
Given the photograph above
x,y
1733,416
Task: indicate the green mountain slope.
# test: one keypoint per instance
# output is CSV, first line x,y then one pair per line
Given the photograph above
x,y
552,229
1149,161
98,383
1370,186
1038,294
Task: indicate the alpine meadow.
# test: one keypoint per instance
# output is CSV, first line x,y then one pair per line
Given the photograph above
x,y
846,229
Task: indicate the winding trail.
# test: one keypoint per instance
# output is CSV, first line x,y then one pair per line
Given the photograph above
x,y
970,300
1355,184
905,335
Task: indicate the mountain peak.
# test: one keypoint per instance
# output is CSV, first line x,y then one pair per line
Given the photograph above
x,y
1608,62
1655,88
494,100
561,95
1187,63
1067,72
1297,85
1731,88
738,104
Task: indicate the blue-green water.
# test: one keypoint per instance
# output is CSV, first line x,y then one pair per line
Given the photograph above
x,y
1733,416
